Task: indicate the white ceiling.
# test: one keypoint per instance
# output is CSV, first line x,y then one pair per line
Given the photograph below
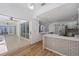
x,y
17,10
64,13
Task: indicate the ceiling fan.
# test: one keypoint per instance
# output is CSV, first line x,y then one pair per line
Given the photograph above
x,y
42,4
12,19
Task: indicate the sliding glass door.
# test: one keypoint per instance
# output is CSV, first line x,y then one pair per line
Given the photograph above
x,y
7,30
11,30
25,30
3,30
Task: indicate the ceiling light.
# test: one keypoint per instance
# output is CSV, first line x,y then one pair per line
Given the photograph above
x,y
31,6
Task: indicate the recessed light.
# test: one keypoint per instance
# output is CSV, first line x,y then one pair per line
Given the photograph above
x,y
31,6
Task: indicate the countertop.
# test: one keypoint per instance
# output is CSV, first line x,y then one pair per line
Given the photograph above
x,y
62,37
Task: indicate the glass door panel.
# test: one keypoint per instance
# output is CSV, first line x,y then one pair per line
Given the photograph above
x,y
25,30
11,30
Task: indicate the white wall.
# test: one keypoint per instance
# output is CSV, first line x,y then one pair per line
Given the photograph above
x,y
51,28
18,29
34,30
78,18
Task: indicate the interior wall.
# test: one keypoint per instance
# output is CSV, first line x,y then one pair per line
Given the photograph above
x,y
78,18
52,27
34,30
18,29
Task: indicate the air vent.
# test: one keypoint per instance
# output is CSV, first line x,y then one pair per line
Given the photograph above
x,y
42,4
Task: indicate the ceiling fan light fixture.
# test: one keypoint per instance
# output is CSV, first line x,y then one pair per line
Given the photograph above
x,y
11,18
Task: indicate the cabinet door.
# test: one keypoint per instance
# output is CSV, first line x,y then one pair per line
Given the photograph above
x,y
59,45
48,42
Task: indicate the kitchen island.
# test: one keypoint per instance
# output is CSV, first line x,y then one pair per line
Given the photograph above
x,y
61,44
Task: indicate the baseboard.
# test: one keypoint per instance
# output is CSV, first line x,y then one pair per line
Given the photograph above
x,y
54,51
24,38
35,41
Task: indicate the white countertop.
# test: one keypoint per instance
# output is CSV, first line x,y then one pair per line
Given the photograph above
x,y
62,37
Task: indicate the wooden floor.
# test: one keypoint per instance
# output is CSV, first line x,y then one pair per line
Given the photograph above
x,y
32,50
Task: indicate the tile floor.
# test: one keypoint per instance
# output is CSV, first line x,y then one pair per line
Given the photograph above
x,y
13,42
